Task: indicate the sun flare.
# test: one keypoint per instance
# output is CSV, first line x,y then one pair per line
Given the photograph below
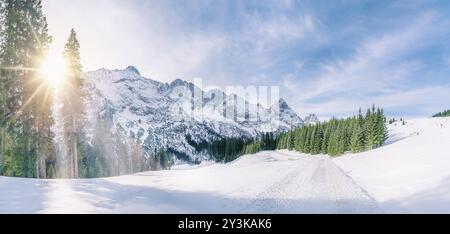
x,y
54,68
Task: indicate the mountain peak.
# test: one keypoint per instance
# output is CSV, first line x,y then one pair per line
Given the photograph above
x,y
178,82
133,70
311,119
282,103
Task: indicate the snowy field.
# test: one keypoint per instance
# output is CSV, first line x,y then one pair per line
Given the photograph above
x,y
411,174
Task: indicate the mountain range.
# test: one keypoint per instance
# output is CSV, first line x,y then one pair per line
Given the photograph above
x,y
169,116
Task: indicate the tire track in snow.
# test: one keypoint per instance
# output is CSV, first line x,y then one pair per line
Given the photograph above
x,y
272,198
316,185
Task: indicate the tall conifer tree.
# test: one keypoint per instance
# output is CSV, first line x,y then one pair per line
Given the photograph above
x,y
71,96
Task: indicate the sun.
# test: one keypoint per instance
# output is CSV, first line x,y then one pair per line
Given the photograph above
x,y
54,68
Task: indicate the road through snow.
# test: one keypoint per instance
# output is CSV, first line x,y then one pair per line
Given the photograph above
x,y
317,186
268,182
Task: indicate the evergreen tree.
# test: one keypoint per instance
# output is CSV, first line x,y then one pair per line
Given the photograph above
x,y
370,129
381,133
341,145
72,110
316,139
289,141
326,137
357,136
306,146
332,147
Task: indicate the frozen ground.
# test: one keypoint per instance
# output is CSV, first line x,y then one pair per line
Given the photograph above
x,y
410,174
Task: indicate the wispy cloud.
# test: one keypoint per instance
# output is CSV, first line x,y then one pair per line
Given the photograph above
x,y
328,58
375,65
380,72
275,32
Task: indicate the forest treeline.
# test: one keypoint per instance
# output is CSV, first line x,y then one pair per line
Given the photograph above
x,y
445,113
334,137
337,136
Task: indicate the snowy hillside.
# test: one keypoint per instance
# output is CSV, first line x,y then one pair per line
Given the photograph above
x,y
163,115
409,175
412,172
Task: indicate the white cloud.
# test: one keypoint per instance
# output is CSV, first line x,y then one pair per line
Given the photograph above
x,y
164,46
284,29
374,65
377,73
289,82
115,34
268,34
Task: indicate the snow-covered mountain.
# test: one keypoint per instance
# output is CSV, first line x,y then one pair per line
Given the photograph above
x,y
178,115
311,119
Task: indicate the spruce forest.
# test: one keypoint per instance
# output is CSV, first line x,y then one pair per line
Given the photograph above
x,y
338,136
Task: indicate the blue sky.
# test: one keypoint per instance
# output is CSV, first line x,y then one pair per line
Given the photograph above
x,y
328,57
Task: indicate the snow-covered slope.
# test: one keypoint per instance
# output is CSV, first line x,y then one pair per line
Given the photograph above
x,y
311,119
163,115
412,172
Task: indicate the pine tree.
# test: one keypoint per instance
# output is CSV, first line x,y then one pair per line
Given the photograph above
x,y
340,139
317,139
370,129
72,111
326,137
357,137
289,141
298,139
332,148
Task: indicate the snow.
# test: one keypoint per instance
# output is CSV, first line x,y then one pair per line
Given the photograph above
x,y
268,182
411,174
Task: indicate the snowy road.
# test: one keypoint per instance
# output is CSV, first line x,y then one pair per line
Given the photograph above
x,y
317,186
269,182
